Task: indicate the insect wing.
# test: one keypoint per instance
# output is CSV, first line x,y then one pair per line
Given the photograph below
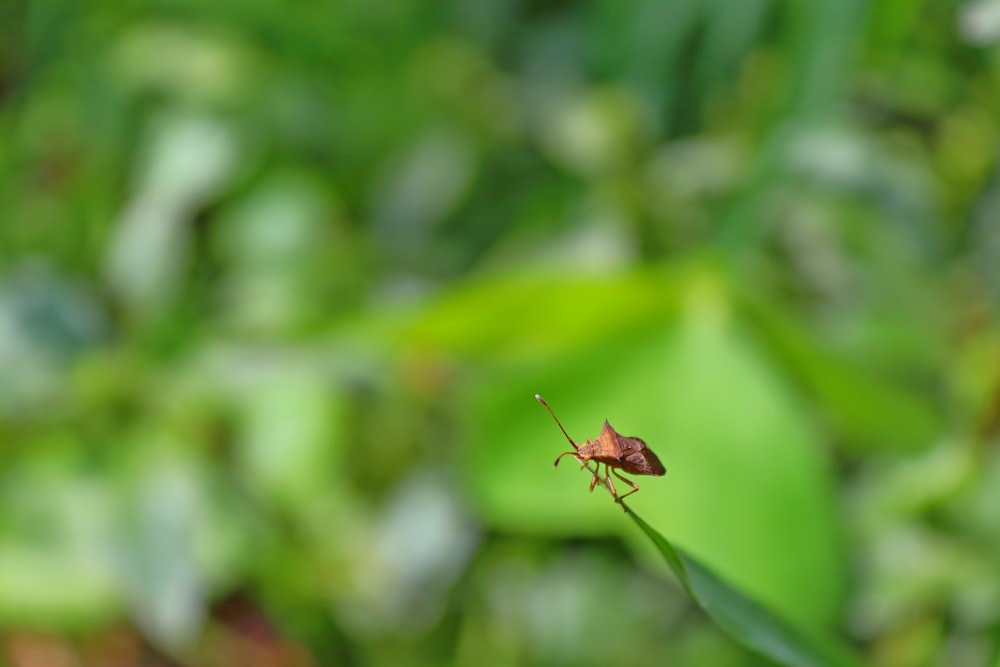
x,y
633,453
644,462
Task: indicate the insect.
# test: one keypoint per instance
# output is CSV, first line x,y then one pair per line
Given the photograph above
x,y
615,451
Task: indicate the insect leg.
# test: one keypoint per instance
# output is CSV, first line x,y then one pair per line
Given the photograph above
x,y
635,487
596,478
607,478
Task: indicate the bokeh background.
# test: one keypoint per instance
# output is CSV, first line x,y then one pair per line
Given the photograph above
x,y
278,283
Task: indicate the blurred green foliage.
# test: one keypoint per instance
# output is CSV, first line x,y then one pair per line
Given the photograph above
x,y
278,283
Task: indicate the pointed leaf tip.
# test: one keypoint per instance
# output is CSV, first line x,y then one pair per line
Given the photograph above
x,y
746,620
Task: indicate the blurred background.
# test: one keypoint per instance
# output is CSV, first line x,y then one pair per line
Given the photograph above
x,y
279,282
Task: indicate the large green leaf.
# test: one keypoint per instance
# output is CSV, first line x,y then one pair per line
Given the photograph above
x,y
56,565
746,620
532,314
748,489
866,407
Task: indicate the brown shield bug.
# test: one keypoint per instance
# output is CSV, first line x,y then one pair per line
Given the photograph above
x,y
615,451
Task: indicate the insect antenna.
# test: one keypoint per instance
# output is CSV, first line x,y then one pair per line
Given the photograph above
x,y
562,455
538,397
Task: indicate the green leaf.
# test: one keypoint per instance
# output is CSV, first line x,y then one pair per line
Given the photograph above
x,y
867,407
289,418
748,486
56,562
531,315
160,566
742,617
